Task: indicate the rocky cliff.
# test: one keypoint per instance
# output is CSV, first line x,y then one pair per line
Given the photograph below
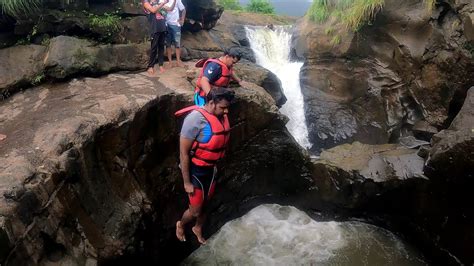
x,y
406,73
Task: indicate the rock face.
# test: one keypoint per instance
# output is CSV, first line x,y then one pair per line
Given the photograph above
x,y
365,177
450,221
413,63
85,162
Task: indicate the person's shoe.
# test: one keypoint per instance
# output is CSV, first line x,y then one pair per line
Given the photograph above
x,y
180,232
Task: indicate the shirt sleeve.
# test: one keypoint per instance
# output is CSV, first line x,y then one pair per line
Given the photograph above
x,y
212,72
180,5
192,125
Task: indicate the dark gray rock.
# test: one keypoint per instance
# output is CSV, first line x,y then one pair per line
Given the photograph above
x,y
68,56
21,65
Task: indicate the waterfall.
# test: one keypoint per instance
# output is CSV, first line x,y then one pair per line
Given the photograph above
x,y
272,51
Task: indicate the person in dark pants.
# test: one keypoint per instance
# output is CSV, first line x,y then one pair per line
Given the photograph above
x,y
156,12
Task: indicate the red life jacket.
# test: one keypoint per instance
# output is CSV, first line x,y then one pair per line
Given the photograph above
x,y
207,154
223,81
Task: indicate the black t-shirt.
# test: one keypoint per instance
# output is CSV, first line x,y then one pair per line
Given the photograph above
x,y
156,20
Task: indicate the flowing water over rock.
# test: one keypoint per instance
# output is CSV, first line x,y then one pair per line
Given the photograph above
x,y
282,235
272,51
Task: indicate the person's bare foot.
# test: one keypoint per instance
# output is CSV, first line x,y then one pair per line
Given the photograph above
x,y
162,69
150,71
179,63
198,232
180,232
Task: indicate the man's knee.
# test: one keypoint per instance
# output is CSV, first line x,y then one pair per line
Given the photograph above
x,y
195,212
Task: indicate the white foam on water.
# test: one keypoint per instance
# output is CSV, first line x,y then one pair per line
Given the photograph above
x,y
283,235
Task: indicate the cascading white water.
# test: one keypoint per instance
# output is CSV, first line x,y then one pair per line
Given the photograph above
x,y
281,235
272,51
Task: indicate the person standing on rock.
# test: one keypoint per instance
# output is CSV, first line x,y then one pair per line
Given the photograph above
x,y
156,12
203,140
174,23
216,73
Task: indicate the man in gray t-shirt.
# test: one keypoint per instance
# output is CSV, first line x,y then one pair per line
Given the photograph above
x,y
203,140
196,127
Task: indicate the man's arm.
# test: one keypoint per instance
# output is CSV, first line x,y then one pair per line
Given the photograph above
x,y
234,77
155,9
212,72
183,16
185,160
205,85
170,8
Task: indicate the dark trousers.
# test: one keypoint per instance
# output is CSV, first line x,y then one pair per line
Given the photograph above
x,y
157,45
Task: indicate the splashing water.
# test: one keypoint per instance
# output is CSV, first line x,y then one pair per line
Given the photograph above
x,y
282,235
272,51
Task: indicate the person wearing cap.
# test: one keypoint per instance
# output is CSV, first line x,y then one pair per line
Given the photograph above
x,y
203,140
216,73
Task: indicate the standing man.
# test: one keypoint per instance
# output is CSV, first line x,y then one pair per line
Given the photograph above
x,y
204,137
216,73
175,21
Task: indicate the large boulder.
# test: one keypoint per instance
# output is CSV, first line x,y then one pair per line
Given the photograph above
x,y
95,157
344,103
262,77
420,65
69,56
361,177
203,13
21,66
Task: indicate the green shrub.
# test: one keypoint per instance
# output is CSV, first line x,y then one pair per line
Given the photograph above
x,y
17,8
352,13
106,21
260,6
230,4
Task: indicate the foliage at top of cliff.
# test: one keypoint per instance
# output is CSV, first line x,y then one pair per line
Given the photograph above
x,y
16,8
352,13
255,6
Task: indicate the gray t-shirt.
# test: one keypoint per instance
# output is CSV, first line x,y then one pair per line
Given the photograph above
x,y
196,127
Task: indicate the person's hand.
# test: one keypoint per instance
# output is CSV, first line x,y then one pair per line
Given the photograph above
x,y
189,188
181,22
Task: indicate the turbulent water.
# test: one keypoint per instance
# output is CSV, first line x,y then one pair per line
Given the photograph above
x,y
281,235
272,51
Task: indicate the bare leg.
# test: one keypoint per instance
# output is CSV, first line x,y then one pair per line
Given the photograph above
x,y
178,57
189,215
169,53
197,229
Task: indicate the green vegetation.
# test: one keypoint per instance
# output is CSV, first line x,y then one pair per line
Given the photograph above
x,y
16,8
106,21
351,13
107,25
254,6
38,79
260,6
230,4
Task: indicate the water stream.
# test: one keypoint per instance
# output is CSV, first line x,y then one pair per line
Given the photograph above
x,y
272,51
